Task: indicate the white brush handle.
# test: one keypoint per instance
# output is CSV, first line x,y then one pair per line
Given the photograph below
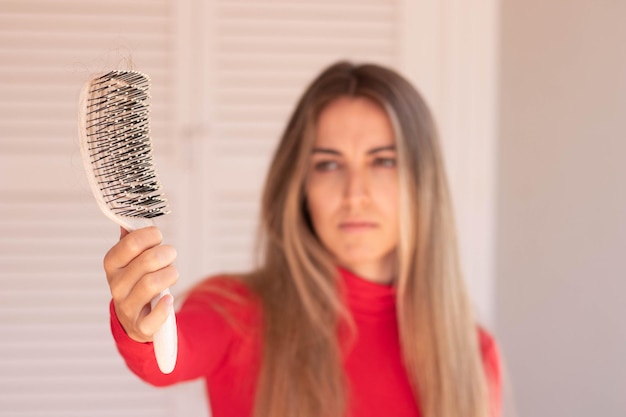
x,y
165,340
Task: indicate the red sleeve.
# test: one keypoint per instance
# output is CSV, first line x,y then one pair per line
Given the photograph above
x,y
491,361
205,333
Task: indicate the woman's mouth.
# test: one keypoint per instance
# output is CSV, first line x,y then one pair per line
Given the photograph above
x,y
357,226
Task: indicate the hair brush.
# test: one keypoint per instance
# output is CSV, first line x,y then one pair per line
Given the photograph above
x,y
117,154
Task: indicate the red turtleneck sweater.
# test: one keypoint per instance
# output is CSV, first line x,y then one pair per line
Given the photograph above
x,y
220,340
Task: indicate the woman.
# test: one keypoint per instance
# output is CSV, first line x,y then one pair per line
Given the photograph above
x,y
359,306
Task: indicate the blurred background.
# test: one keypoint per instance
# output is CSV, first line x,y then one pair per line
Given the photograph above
x,y
530,100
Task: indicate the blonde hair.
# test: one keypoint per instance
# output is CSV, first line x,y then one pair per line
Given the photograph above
x,y
301,372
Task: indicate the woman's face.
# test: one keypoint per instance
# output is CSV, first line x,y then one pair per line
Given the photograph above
x,y
352,187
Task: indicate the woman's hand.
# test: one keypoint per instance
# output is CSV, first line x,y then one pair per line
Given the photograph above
x,y
138,268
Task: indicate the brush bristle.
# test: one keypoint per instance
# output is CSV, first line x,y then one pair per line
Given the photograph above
x,y
118,139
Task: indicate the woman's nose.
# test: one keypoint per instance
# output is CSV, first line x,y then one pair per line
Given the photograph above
x,y
356,187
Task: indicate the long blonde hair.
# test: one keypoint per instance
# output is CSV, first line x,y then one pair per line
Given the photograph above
x,y
301,373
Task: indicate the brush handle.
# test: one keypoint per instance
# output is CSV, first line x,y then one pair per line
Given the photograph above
x,y
165,340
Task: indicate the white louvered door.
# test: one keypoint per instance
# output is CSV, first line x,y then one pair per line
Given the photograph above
x,y
57,357
56,350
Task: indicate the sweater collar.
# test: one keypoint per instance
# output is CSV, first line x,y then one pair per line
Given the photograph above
x,y
367,298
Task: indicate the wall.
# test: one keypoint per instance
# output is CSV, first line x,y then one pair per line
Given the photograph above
x,y
561,231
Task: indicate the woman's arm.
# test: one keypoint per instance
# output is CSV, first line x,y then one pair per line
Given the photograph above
x,y
139,267
204,339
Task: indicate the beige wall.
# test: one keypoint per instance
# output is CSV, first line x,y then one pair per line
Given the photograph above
x,y
561,239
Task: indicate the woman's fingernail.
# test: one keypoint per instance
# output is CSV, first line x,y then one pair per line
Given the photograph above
x,y
169,300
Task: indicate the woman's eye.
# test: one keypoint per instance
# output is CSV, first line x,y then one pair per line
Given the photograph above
x,y
325,166
385,162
